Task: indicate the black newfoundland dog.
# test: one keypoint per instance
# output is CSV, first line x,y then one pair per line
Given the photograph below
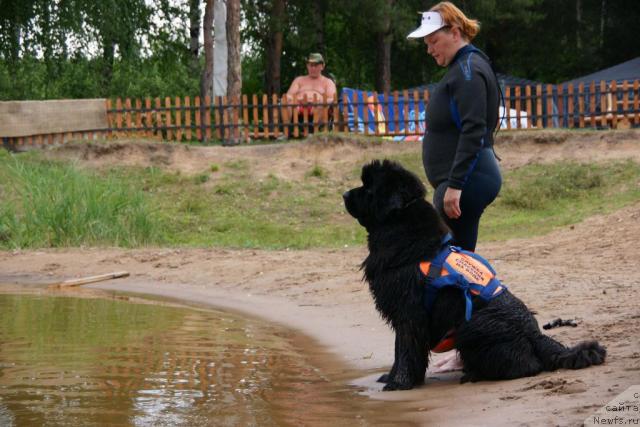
x,y
501,338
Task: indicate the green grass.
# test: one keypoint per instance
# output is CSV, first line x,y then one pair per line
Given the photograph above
x,y
49,204
538,198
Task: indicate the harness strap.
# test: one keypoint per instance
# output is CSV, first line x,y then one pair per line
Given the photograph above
x,y
435,271
461,283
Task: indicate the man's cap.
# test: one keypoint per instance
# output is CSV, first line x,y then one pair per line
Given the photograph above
x,y
431,22
315,58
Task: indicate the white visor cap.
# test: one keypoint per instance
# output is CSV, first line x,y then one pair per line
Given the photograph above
x,y
431,22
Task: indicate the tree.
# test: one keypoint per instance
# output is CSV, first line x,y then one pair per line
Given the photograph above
x,y
384,37
206,83
234,69
318,13
274,44
194,34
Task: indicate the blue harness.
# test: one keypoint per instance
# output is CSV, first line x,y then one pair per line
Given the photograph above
x,y
465,270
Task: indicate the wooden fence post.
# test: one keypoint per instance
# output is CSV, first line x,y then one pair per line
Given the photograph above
x,y
226,119
613,104
550,115
127,116
636,101
198,118
405,95
109,119
219,117
168,121
561,115
603,104
325,113
396,113
178,105
139,117
373,107
625,102
581,110
592,103
148,117
207,118
235,131
507,106
119,115
265,117
276,115
256,120
287,116
527,94
539,122
365,113
187,117
305,115
416,112
570,111
245,117
518,107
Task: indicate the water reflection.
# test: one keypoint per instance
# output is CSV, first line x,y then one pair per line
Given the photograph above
x,y
78,361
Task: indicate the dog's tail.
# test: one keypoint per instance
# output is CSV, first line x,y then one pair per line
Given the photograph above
x,y
555,355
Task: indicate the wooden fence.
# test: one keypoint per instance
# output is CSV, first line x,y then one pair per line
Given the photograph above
x,y
573,106
264,117
399,114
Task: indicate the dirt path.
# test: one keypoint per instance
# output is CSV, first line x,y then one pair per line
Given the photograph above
x,y
588,272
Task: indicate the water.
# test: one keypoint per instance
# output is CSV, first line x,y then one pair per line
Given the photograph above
x,y
89,361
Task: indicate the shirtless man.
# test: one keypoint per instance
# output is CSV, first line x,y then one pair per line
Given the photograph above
x,y
314,85
308,90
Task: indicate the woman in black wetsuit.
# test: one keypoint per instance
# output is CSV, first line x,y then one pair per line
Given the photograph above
x,y
462,114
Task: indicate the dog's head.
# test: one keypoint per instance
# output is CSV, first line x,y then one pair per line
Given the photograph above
x,y
386,188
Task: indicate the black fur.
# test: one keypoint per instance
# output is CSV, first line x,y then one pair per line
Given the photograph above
x,y
502,339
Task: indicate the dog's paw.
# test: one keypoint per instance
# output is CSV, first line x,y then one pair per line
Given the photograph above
x,y
384,378
468,378
392,385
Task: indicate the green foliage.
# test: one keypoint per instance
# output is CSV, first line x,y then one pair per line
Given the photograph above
x,y
78,78
137,48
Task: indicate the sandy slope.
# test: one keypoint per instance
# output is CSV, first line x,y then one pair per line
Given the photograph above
x,y
588,272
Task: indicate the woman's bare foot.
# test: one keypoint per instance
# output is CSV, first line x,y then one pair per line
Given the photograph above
x,y
448,363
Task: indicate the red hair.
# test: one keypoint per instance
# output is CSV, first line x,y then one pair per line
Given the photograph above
x,y
454,17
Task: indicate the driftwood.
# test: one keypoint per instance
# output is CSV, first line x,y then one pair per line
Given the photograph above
x,y
86,280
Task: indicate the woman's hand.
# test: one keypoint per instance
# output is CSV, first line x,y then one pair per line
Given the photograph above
x,y
452,203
